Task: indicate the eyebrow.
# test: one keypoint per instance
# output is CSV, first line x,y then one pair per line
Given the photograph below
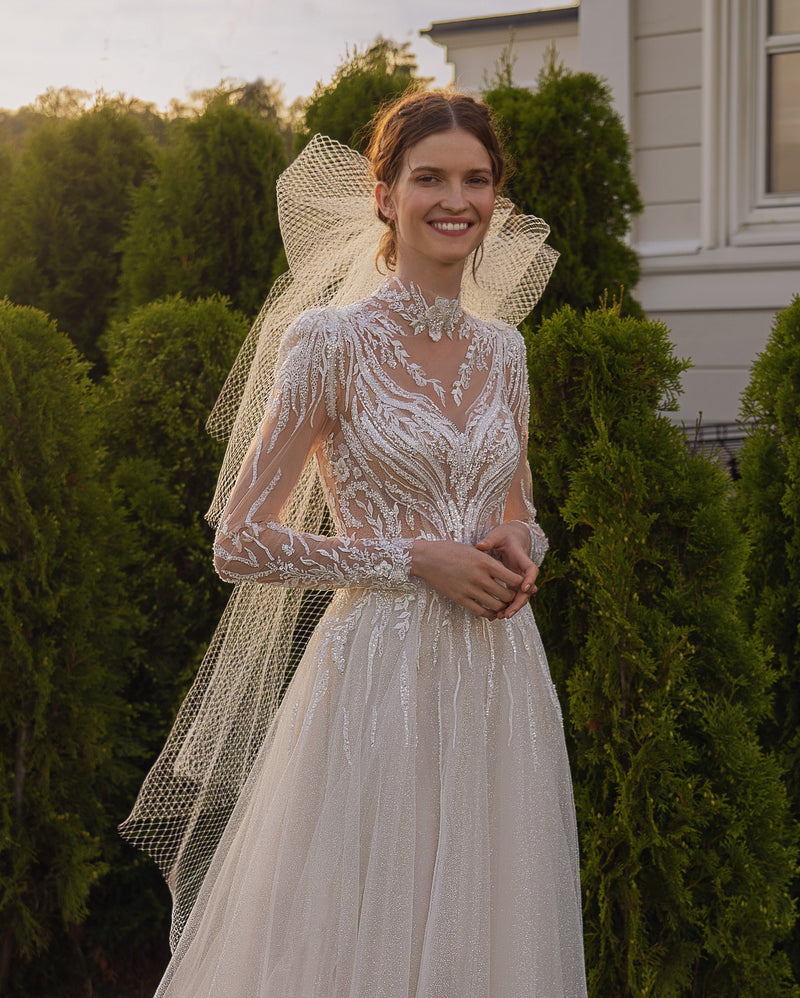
x,y
438,169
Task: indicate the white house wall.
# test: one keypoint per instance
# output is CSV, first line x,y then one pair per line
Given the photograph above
x,y
475,54
667,123
717,298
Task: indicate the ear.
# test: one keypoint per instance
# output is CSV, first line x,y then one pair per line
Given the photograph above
x,y
384,198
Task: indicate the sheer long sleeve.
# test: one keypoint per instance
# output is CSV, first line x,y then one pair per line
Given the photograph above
x,y
519,505
252,544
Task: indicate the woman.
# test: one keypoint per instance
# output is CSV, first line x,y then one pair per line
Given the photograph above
x,y
405,826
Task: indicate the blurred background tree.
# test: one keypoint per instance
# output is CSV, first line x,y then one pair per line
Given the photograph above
x,y
571,165
768,510
206,222
343,108
63,215
65,627
687,844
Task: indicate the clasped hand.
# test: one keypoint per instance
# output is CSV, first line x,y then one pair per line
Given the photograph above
x,y
493,579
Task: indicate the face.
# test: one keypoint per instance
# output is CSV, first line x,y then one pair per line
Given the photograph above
x,y
441,203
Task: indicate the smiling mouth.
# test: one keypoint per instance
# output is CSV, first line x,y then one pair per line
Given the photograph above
x,y
451,226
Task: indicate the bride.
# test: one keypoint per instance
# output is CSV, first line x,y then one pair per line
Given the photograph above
x,y
397,820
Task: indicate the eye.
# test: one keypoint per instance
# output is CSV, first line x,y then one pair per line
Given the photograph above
x,y
480,181
427,179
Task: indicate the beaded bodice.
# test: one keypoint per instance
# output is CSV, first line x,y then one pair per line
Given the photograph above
x,y
401,454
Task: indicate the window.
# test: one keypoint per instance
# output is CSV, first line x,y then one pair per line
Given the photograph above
x,y
764,121
782,51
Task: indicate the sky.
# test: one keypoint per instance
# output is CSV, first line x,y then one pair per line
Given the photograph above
x,y
158,50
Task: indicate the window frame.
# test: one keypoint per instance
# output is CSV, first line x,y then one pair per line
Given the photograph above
x,y
755,215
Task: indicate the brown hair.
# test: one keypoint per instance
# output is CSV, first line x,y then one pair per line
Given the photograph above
x,y
400,125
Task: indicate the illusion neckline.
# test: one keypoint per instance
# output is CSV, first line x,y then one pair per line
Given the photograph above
x,y
408,301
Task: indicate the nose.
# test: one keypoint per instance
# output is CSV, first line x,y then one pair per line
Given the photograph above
x,y
453,198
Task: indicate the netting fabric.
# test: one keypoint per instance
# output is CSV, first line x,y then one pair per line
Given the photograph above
x,y
331,233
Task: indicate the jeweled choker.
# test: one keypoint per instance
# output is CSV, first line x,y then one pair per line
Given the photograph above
x,y
438,319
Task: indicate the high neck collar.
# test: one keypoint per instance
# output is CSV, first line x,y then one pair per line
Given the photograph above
x,y
409,302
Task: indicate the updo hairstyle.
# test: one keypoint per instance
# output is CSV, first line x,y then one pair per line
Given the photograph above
x,y
403,123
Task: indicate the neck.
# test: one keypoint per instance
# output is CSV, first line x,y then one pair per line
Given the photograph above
x,y
434,282
440,316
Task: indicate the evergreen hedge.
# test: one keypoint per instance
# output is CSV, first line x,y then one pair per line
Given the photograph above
x,y
166,365
687,843
768,507
570,163
65,626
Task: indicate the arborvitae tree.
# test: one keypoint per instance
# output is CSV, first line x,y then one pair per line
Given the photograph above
x,y
167,363
571,165
343,108
65,627
687,844
6,168
16,127
208,222
768,508
262,98
64,215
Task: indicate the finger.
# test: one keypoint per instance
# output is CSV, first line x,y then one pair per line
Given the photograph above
x,y
492,537
496,589
492,601
479,610
502,596
516,604
529,579
500,573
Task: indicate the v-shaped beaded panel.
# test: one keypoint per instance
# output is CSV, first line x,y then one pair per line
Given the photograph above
x,y
403,457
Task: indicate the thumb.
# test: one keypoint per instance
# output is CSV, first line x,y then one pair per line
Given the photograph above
x,y
486,543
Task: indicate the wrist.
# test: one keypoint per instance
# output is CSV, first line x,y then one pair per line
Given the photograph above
x,y
420,552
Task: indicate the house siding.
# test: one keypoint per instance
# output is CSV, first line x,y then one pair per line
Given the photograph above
x,y
475,51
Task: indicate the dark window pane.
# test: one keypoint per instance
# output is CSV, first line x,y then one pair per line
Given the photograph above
x,y
784,123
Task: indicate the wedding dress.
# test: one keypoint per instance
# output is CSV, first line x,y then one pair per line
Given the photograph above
x,y
407,827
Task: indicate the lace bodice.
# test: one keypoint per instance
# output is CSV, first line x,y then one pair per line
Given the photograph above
x,y
400,454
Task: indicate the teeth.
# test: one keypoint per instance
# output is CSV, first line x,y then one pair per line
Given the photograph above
x,y
452,226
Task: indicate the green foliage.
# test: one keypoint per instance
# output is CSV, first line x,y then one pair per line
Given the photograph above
x,y
768,508
16,127
166,366
64,627
262,98
64,214
571,165
207,223
687,845
344,107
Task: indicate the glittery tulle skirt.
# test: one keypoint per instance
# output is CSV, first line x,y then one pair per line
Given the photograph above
x,y
408,829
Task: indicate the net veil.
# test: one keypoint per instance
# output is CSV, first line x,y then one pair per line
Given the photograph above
x,y
331,232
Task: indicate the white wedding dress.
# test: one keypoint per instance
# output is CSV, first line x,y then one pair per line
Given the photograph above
x,y
407,829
